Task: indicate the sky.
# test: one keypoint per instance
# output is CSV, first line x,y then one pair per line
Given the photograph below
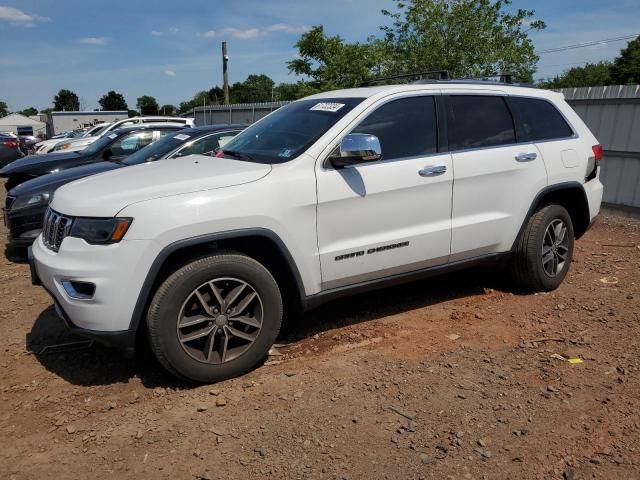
x,y
171,49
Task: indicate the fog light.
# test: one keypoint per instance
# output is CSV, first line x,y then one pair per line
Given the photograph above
x,y
79,290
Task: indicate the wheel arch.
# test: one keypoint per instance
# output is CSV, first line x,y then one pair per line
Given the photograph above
x,y
570,195
263,245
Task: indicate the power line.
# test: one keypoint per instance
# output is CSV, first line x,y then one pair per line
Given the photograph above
x,y
588,44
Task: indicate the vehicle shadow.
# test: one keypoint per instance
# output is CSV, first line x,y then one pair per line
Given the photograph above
x,y
97,365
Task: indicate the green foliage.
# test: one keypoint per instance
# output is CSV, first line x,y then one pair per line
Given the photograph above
x,y
27,112
167,109
133,113
469,38
67,101
626,67
113,101
332,63
256,88
590,75
147,105
4,109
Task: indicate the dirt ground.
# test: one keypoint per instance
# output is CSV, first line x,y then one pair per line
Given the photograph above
x,y
454,377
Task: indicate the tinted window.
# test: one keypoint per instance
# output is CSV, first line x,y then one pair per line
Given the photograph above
x,y
479,121
159,148
405,127
538,120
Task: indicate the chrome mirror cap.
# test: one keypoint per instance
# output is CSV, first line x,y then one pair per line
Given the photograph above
x,y
356,148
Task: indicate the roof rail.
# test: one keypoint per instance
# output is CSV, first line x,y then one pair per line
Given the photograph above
x,y
438,74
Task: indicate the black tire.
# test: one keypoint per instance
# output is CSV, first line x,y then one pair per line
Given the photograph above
x,y
527,266
167,305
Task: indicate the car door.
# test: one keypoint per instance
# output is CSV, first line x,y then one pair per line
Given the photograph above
x,y
394,215
496,178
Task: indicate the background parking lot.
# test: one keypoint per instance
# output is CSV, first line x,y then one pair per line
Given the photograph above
x,y
457,376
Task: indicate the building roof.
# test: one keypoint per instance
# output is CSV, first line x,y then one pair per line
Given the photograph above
x,y
16,119
92,112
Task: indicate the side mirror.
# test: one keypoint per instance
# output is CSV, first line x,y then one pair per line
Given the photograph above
x,y
356,148
107,154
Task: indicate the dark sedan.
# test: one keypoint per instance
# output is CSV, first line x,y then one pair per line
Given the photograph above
x,y
27,203
116,146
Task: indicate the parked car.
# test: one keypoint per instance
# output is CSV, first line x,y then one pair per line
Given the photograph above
x,y
80,143
333,194
116,146
27,143
26,204
46,146
9,149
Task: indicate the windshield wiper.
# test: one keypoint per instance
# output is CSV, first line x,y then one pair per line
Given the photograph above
x,y
238,155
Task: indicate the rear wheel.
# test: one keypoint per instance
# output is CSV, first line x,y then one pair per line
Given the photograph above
x,y
215,318
544,250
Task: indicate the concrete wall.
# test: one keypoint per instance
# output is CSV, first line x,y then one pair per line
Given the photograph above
x,y
63,121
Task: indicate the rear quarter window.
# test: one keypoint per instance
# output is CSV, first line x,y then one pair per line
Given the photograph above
x,y
537,119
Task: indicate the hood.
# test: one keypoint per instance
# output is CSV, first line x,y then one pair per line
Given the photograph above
x,y
104,195
76,144
51,182
41,164
51,141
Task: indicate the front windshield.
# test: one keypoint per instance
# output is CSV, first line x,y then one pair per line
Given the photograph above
x,y
100,143
157,149
289,131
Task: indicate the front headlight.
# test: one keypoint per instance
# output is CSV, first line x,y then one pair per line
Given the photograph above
x,y
32,200
62,146
100,230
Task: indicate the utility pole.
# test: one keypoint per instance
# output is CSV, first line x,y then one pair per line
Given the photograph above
x,y
225,75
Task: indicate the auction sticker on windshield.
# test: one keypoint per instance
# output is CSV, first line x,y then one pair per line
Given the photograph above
x,y
112,136
181,136
327,107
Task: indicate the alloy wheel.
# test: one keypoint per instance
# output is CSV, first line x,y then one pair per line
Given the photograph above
x,y
555,247
220,320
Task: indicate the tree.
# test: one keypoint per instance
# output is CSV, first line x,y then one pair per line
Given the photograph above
x,y
330,62
590,75
113,101
626,67
133,113
256,88
4,109
167,109
67,101
466,37
27,112
147,105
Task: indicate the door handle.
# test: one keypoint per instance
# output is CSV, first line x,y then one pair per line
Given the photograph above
x,y
526,157
432,170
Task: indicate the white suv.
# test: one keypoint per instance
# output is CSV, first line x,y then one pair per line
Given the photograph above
x,y
333,194
77,144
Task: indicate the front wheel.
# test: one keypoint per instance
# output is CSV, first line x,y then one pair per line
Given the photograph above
x,y
544,250
215,318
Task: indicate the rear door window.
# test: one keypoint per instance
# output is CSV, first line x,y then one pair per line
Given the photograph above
x,y
538,119
477,121
406,127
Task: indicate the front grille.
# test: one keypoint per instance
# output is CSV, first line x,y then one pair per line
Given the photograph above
x,y
54,229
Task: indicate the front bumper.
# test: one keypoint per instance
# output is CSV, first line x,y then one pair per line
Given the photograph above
x,y
24,225
117,271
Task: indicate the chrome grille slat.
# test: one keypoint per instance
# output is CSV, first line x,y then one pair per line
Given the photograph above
x,y
54,229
